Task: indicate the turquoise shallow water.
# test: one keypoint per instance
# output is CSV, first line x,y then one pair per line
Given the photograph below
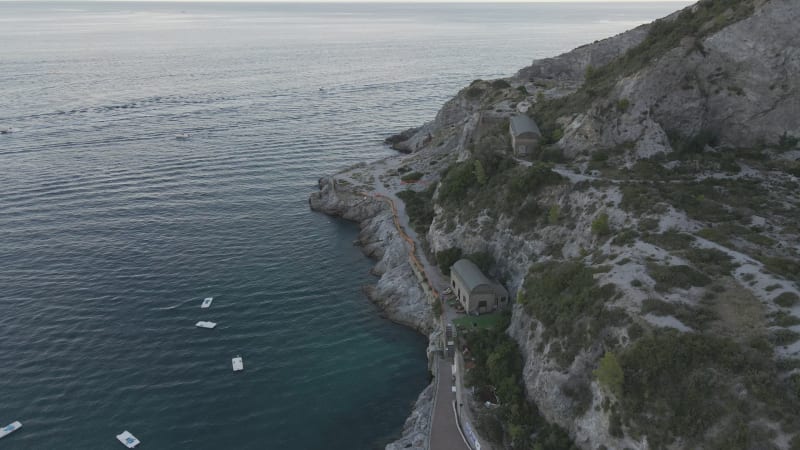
x,y
112,231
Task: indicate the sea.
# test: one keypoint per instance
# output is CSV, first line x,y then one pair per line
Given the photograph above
x,y
112,230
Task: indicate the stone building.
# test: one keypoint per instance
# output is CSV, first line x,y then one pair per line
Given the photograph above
x,y
474,291
525,135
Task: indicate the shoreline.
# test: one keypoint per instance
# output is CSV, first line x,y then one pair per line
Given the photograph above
x,y
397,292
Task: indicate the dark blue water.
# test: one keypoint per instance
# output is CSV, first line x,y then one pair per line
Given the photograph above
x,y
112,231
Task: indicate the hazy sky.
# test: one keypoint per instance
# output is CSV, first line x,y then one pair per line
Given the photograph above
x,y
441,1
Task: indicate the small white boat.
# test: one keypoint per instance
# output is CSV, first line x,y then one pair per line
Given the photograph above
x,y
182,136
207,302
127,439
205,324
10,428
6,130
238,363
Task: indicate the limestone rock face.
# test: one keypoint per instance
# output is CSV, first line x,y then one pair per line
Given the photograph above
x,y
417,426
397,291
739,83
571,66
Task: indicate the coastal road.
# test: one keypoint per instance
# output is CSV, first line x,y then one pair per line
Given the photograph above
x,y
444,431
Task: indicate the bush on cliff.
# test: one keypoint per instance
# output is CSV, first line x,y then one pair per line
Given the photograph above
x,y
565,298
703,389
446,258
419,207
499,365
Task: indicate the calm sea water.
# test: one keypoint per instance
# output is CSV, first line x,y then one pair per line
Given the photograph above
x,y
112,231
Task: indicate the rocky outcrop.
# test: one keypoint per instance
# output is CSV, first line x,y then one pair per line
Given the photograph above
x,y
737,84
417,428
397,291
571,66
399,141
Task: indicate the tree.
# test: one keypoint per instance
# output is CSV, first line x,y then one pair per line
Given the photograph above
x,y
600,225
480,173
609,374
554,215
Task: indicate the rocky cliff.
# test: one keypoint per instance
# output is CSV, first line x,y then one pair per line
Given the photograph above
x,y
651,241
397,291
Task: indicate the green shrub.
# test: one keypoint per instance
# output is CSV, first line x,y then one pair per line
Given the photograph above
x,y
684,384
786,299
784,319
668,277
625,237
480,173
460,177
553,215
609,374
500,84
712,261
600,225
787,267
696,318
783,337
498,363
483,260
419,207
564,297
412,177
446,258
623,104
474,92
787,142
670,240
692,144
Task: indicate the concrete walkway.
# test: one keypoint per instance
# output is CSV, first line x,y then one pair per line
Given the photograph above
x,y
444,431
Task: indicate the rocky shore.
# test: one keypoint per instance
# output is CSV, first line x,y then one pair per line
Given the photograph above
x,y
397,291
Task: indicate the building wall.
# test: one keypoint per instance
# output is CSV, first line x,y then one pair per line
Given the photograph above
x,y
471,301
524,145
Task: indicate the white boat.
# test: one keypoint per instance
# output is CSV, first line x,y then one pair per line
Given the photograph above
x,y
205,324
6,130
182,136
238,363
10,428
127,439
207,302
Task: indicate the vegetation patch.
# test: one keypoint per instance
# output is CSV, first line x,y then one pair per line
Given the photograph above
x,y
686,384
609,374
787,299
669,277
786,267
446,258
498,367
600,225
712,261
419,207
696,318
565,298
670,240
494,183
497,320
412,177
